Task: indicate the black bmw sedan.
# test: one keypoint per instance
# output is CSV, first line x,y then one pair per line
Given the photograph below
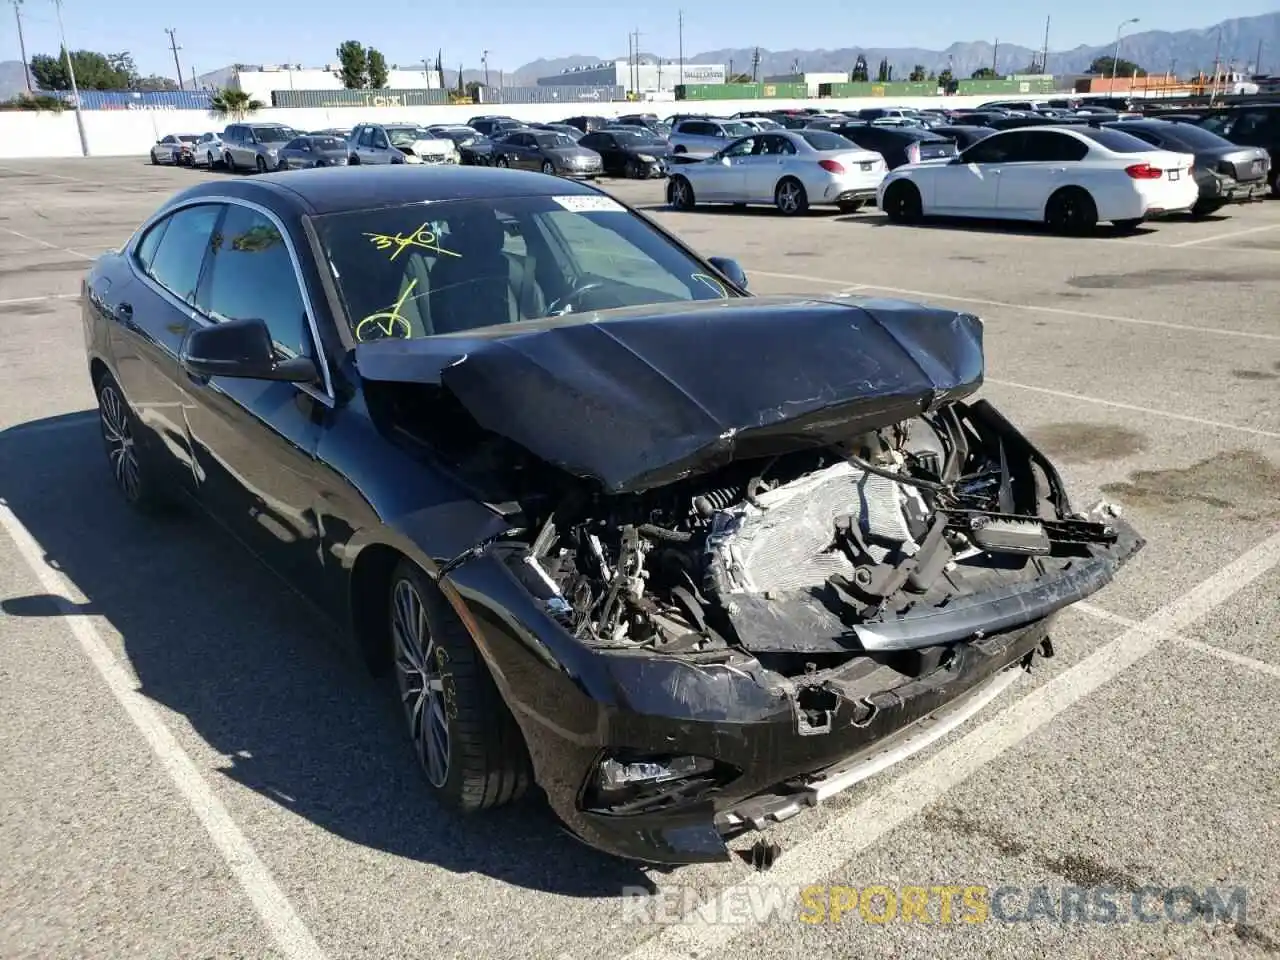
x,y
688,559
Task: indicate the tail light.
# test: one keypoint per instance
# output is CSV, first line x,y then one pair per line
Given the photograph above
x,y
913,153
831,166
1144,171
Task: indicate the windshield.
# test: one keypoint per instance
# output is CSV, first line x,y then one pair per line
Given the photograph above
x,y
823,140
1194,138
403,136
736,128
274,134
1114,140
553,141
328,143
629,138
415,271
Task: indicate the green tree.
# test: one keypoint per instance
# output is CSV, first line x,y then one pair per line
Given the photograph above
x,y
917,73
94,71
355,65
884,73
377,68
154,82
474,91
233,103
859,74
944,77
1102,67
983,73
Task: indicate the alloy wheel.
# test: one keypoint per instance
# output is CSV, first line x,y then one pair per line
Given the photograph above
x,y
679,194
117,433
420,675
789,197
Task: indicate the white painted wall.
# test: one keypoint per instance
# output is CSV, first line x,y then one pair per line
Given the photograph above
x,y
121,133
260,83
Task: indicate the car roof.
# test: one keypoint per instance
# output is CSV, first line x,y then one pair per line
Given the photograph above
x,y
336,190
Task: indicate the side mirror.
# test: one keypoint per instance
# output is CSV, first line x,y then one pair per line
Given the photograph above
x,y
731,269
241,349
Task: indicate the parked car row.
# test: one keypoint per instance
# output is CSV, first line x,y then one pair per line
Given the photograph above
x,y
1070,175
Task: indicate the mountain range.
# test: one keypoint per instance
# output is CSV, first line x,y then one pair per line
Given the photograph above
x,y
1237,42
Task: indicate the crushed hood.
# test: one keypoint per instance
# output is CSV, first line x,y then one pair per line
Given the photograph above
x,y
638,397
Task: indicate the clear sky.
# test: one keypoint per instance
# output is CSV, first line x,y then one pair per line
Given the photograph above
x,y
214,35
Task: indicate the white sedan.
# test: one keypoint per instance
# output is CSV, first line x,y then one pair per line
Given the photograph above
x,y
790,169
1070,177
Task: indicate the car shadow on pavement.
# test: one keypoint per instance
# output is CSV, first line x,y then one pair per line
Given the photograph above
x,y
263,680
1012,227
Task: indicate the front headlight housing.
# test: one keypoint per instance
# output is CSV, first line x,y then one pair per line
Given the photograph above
x,y
645,158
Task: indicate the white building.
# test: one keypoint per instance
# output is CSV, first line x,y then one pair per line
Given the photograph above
x,y
259,81
647,77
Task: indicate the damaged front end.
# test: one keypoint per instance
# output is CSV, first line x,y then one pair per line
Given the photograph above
x,y
767,629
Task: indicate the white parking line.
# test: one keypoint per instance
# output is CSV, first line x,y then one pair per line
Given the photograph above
x,y
1134,408
291,936
51,296
1036,308
1239,659
699,933
50,246
1224,236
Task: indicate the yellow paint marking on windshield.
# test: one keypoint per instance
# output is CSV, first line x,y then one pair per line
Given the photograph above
x,y
390,323
710,281
423,238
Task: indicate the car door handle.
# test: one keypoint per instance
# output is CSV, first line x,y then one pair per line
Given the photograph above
x,y
124,313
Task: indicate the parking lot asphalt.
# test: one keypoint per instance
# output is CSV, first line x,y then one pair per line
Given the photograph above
x,y
189,768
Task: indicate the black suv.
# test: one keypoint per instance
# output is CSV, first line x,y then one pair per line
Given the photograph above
x,y
1250,125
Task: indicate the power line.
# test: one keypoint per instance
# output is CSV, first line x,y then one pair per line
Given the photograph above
x,y
173,45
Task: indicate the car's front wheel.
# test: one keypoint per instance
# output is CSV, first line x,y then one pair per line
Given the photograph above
x,y
465,738
132,474
902,202
229,163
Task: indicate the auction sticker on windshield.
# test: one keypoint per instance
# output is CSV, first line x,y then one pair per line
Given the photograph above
x,y
580,204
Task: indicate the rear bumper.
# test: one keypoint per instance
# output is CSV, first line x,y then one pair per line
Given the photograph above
x,y
1216,187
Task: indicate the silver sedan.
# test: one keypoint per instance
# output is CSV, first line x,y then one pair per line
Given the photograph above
x,y
789,169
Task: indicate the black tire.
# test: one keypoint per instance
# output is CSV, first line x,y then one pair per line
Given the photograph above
x,y
353,160
680,150
548,168
632,170
1071,210
501,162
228,163
680,194
486,762
1206,208
130,469
902,202
850,206
212,162
261,164
154,161
790,197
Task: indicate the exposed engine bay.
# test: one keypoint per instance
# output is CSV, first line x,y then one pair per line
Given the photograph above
x,y
807,558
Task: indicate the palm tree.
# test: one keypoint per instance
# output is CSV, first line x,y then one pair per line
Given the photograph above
x,y
234,103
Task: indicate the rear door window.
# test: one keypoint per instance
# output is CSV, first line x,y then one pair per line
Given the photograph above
x,y
1000,148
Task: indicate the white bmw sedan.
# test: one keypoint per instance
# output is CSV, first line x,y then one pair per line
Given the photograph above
x,y
789,169
1070,177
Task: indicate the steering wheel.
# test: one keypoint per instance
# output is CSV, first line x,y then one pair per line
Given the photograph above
x,y
562,305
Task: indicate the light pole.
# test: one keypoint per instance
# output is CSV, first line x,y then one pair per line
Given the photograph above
x,y
22,44
484,59
71,76
1115,59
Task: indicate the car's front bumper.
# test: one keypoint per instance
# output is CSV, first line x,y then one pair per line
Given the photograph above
x,y
577,704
